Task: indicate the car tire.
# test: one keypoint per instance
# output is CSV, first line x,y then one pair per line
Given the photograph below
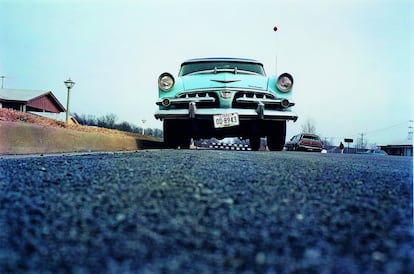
x,y
276,135
254,143
176,134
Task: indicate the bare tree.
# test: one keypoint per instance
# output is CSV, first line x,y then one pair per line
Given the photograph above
x,y
309,126
107,121
328,142
124,126
83,119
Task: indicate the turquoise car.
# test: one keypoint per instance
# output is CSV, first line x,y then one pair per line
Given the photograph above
x,y
224,97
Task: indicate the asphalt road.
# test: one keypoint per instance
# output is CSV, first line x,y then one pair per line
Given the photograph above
x,y
193,211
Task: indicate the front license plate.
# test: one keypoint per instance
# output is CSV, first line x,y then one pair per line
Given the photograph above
x,y
226,120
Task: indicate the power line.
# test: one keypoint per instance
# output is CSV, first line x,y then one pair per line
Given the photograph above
x,y
371,131
384,129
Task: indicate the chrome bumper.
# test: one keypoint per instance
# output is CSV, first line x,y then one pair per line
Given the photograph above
x,y
244,114
311,148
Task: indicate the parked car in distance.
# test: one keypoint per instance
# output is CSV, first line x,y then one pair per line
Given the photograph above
x,y
374,152
224,97
305,142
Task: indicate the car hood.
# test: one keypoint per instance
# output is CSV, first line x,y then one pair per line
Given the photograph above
x,y
224,80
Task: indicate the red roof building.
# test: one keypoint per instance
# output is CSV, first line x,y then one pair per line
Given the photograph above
x,y
30,100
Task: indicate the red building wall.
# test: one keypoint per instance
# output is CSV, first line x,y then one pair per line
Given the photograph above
x,y
43,103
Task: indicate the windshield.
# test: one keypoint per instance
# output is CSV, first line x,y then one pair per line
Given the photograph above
x,y
221,66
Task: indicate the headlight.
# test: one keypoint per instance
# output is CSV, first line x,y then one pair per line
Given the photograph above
x,y
284,82
165,81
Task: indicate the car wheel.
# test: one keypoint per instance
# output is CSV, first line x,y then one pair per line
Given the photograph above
x,y
254,143
184,142
176,134
276,135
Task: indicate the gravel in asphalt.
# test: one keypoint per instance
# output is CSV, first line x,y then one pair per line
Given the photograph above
x,y
189,211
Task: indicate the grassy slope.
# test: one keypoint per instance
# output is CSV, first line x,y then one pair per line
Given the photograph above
x,y
22,133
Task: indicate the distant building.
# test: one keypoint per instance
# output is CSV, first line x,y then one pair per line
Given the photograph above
x,y
399,150
30,101
38,102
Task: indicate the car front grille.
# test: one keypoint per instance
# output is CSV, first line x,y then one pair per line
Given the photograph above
x,y
201,104
243,99
252,98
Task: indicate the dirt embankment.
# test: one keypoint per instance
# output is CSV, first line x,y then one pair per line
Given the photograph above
x,y
23,133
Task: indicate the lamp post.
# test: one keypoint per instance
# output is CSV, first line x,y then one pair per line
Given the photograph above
x,y
143,123
69,84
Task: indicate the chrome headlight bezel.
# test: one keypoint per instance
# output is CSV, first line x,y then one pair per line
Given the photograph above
x,y
166,81
284,82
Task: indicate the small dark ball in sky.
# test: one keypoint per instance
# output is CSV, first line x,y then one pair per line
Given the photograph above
x,y
275,28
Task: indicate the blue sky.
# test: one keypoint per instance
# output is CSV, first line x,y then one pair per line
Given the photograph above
x,y
352,60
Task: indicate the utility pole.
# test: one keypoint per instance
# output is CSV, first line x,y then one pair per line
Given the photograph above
x,y
362,140
360,143
2,80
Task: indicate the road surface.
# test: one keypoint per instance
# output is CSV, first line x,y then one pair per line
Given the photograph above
x,y
193,211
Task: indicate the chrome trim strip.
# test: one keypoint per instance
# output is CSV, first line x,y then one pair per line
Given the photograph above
x,y
189,100
264,101
259,100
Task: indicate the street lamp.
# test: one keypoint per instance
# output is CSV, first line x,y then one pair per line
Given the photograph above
x,y
69,84
143,122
